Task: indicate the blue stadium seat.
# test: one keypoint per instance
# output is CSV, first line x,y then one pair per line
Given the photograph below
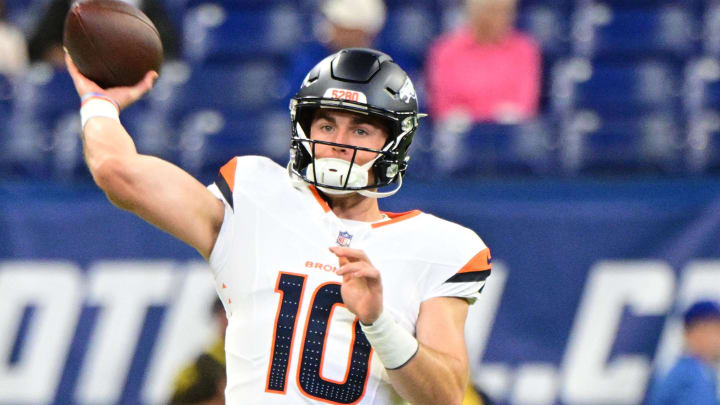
x,y
251,86
702,154
702,86
649,3
238,5
5,157
711,29
623,88
214,35
408,32
710,97
43,130
6,97
495,149
23,150
644,32
24,13
565,5
46,94
593,144
549,26
207,139
702,106
42,149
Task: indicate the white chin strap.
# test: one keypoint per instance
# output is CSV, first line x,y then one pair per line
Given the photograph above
x,y
334,172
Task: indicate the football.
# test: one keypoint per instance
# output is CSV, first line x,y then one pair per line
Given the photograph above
x,y
111,42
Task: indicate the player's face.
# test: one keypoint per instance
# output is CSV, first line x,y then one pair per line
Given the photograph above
x,y
714,337
705,336
346,128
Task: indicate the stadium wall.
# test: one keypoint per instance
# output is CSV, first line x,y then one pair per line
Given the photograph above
x,y
96,307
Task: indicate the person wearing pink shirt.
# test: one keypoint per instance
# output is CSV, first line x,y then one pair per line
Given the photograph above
x,y
486,70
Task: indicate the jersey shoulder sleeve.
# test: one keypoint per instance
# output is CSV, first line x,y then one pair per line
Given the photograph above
x,y
242,174
460,261
242,185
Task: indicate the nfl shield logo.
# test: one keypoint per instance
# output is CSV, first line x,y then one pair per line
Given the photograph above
x,y
344,239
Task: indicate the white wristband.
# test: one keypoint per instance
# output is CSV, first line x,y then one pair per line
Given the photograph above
x,y
394,345
96,105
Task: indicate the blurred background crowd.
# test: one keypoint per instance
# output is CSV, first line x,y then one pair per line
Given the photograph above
x,y
529,87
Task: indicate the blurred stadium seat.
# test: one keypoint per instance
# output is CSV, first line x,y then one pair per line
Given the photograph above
x,y
629,31
594,144
6,97
45,93
251,86
549,25
703,144
207,139
619,88
711,29
408,32
214,34
616,58
708,84
24,14
651,3
701,97
44,105
488,149
240,5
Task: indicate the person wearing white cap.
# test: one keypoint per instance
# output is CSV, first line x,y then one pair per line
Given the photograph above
x,y
353,23
343,24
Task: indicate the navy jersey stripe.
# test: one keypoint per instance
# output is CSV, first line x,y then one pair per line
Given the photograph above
x,y
225,190
469,276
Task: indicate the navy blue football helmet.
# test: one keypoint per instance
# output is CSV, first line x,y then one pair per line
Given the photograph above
x,y
363,81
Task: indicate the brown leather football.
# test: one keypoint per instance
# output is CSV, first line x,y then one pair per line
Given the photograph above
x,y
112,42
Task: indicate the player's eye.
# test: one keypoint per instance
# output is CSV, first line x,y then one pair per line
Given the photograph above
x,y
327,128
362,132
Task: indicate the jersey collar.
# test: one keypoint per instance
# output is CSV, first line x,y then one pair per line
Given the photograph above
x,y
393,217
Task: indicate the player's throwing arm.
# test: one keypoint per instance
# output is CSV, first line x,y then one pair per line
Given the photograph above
x,y
155,190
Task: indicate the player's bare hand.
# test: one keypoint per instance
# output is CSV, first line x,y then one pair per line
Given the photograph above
x,y
361,289
123,95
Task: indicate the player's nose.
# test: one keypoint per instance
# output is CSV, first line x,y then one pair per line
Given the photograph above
x,y
341,137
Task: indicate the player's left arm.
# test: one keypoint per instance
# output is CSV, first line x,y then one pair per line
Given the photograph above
x,y
438,373
432,366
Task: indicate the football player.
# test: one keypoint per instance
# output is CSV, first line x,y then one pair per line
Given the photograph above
x,y
328,298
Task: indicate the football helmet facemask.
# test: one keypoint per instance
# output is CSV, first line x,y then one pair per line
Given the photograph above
x,y
362,81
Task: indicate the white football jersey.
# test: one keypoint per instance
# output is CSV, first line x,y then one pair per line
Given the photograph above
x,y
290,339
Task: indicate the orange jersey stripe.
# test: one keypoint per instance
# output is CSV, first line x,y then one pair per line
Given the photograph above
x,y
397,217
479,262
228,173
319,199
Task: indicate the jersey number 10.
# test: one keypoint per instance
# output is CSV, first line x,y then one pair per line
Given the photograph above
x,y
291,287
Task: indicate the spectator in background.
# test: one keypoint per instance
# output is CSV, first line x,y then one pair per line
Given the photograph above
x,y
345,24
46,43
203,381
486,70
693,380
13,47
